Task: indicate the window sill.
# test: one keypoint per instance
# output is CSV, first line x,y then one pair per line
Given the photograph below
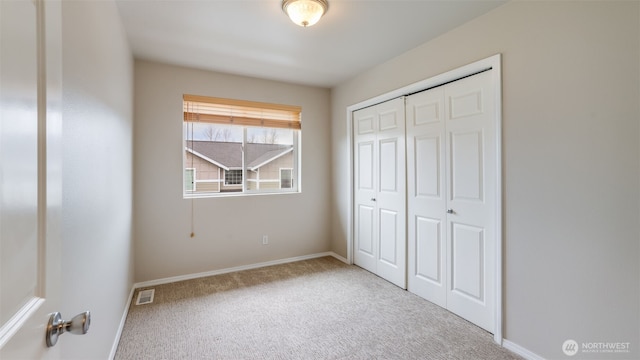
x,y
236,194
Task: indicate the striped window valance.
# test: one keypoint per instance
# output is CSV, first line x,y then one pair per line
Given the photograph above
x,y
240,112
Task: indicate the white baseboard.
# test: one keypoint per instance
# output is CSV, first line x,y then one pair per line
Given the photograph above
x,y
525,353
135,286
343,259
116,341
234,269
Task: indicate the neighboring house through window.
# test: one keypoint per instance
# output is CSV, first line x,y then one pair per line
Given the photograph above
x,y
234,146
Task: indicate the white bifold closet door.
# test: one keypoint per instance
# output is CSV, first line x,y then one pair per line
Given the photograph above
x,y
451,177
380,190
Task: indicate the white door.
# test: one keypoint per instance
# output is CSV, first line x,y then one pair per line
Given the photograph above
x,y
380,194
30,185
452,154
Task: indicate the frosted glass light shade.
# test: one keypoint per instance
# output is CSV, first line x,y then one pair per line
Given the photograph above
x,y
305,12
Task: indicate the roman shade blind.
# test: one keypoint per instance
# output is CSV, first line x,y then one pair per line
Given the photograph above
x,y
240,112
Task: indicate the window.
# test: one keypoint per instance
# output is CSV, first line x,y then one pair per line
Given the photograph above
x,y
233,177
189,176
235,146
286,178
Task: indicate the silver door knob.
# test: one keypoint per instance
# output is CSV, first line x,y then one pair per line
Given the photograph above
x,y
450,211
79,325
373,199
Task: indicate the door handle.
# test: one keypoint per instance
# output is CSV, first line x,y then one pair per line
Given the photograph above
x,y
450,211
79,325
373,199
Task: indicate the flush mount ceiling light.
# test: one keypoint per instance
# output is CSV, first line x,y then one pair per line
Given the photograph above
x,y
305,12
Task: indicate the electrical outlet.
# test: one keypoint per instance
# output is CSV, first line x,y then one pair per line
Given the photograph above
x,y
265,240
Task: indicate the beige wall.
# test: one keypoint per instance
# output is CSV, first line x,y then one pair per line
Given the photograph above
x,y
163,247
97,133
571,94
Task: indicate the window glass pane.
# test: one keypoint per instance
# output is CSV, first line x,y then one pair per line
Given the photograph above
x,y
213,150
213,132
266,152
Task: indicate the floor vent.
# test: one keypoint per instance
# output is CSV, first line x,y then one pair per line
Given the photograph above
x,y
145,296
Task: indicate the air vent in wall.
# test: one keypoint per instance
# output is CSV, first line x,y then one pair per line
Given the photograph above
x,y
145,296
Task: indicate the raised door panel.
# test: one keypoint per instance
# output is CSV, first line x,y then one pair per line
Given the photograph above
x,y
467,261
428,111
466,103
427,176
390,117
365,243
388,237
428,248
389,166
392,247
470,277
365,166
366,236
365,124
467,168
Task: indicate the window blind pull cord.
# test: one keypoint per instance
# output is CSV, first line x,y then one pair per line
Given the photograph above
x,y
193,234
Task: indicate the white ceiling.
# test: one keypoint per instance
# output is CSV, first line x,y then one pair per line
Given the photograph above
x,y
255,38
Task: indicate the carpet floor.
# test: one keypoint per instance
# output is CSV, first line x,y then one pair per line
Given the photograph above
x,y
312,309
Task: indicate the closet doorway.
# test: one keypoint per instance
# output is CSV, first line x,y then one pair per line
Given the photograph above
x,y
452,191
